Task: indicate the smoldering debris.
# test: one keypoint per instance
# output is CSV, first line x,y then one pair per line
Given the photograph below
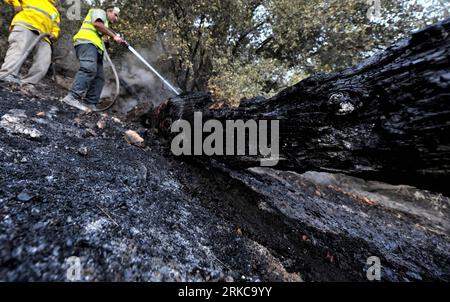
x,y
138,84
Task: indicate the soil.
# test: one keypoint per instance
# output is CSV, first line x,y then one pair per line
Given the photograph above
x,y
71,185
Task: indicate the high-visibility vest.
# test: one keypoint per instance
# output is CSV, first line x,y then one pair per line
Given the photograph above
x,y
89,33
37,15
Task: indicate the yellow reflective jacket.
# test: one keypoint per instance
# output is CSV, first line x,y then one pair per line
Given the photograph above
x,y
89,33
37,15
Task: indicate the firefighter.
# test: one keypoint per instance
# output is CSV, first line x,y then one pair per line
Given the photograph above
x,y
32,18
89,80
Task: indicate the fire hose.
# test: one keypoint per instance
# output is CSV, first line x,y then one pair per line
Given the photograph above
x,y
116,76
139,56
118,80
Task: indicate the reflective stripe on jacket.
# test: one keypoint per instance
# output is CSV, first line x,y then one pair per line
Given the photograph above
x,y
37,15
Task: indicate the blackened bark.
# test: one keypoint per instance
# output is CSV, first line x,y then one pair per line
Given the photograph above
x,y
387,118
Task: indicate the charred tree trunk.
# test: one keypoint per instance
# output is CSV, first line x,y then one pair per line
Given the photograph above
x,y
387,118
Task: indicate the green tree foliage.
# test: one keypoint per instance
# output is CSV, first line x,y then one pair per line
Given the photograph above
x,y
319,35
241,48
192,35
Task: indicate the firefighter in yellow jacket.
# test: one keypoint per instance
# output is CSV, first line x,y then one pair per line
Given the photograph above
x,y
32,18
89,80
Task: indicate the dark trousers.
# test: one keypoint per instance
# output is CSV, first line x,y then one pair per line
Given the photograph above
x,y
89,80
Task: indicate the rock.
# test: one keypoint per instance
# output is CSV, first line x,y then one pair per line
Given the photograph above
x,y
101,124
229,279
69,242
116,120
15,122
24,196
39,225
83,151
133,138
89,133
35,211
414,276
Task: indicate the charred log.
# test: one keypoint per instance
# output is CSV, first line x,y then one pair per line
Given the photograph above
x,y
387,118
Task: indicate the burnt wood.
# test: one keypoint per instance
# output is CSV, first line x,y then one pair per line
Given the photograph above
x,y
388,118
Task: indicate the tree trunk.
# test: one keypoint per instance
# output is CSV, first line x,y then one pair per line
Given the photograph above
x,y
387,118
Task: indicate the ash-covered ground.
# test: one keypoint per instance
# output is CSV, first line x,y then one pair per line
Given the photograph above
x,y
71,185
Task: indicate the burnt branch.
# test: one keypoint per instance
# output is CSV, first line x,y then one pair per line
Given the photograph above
x,y
387,118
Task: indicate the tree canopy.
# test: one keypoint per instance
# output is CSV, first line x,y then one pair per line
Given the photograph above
x,y
240,48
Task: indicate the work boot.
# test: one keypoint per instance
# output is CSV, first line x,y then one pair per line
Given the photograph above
x,y
73,102
28,89
11,80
